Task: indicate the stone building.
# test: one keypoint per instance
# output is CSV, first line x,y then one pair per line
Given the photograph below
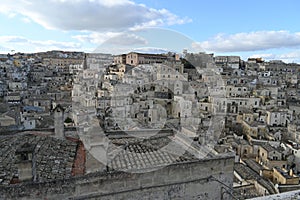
x,y
271,157
134,58
63,62
228,61
281,176
249,184
278,118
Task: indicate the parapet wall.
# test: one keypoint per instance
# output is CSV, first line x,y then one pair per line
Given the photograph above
x,y
203,179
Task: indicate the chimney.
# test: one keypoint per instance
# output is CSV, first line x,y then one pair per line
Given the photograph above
x,y
291,173
59,121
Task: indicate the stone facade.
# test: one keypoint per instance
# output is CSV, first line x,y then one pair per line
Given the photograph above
x,y
134,58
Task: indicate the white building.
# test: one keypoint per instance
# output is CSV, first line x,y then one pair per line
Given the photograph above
x,y
278,118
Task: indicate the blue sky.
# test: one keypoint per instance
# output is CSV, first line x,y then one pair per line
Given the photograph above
x,y
265,28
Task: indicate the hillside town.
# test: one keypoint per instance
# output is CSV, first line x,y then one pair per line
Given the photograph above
x,y
102,126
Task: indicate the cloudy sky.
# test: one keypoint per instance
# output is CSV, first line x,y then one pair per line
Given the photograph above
x,y
265,28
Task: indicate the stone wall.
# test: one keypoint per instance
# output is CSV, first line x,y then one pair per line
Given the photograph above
x,y
203,179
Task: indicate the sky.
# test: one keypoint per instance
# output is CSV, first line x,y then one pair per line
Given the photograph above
x,y
265,28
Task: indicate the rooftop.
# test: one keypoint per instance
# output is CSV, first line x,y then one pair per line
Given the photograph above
x,y
282,196
284,173
142,157
161,149
270,148
248,174
254,165
54,157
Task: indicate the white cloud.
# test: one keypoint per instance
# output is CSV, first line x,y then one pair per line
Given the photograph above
x,y
95,37
253,41
266,56
126,39
112,38
125,49
23,44
154,50
91,15
4,49
289,57
117,43
26,20
196,47
55,44
12,39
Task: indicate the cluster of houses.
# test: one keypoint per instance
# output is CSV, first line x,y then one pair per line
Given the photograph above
x,y
250,107
32,85
263,124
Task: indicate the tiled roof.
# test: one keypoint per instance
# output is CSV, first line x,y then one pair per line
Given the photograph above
x,y
136,153
54,157
139,156
254,165
244,171
248,174
268,147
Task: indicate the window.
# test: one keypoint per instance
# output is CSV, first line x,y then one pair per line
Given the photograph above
x,y
24,156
